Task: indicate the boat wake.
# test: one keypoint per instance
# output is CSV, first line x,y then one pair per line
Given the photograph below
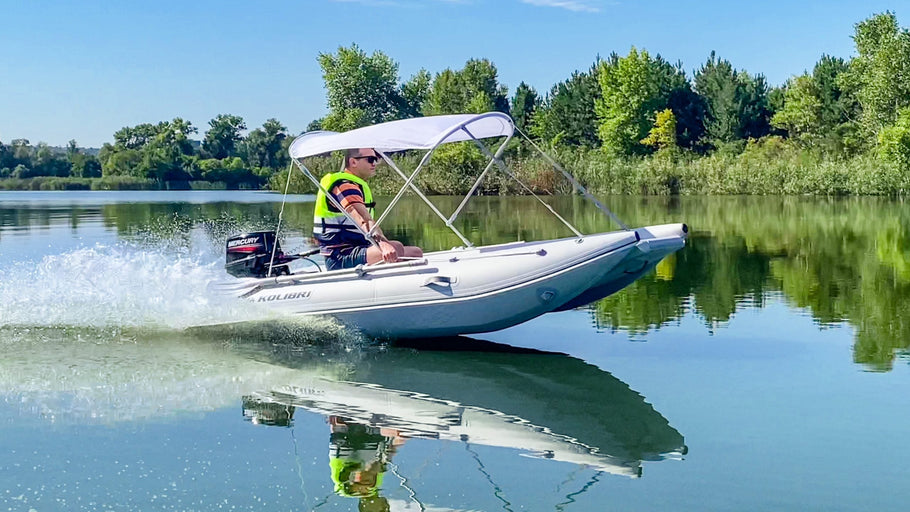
x,y
132,287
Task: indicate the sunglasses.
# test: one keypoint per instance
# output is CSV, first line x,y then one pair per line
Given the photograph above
x,y
371,159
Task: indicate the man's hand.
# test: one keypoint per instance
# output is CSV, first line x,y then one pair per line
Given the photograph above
x,y
389,254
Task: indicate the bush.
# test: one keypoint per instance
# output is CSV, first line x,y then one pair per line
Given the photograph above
x,y
300,184
123,183
894,142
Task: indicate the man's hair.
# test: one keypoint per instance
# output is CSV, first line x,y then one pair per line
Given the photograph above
x,y
351,153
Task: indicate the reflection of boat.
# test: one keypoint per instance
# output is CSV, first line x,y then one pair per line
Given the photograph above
x,y
464,290
546,405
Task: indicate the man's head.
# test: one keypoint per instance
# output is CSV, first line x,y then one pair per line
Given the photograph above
x,y
361,162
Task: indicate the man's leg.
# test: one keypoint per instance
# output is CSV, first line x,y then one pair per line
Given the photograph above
x,y
406,251
411,251
374,255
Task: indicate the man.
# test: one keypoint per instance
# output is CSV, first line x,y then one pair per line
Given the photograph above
x,y
343,245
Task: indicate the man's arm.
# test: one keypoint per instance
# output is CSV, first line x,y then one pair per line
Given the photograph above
x,y
362,216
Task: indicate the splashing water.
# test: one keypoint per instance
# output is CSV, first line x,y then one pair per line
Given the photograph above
x,y
119,286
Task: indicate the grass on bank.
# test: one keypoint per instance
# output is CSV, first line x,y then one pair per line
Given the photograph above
x,y
105,183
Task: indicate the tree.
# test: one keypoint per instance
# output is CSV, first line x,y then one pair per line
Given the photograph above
x,y
137,136
413,94
802,112
776,98
480,77
72,148
361,89
80,164
878,74
687,106
263,146
315,125
754,110
163,151
838,103
85,166
567,115
816,109
22,151
716,83
663,134
176,134
630,95
524,104
447,95
7,160
122,162
48,162
170,154
223,135
475,88
736,103
634,90
894,141
21,172
230,171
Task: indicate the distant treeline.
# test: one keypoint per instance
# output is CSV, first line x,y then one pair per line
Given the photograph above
x,y
628,124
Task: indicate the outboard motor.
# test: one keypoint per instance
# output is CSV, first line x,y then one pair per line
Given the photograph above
x,y
249,254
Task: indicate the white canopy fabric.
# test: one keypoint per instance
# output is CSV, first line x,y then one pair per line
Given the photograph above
x,y
415,133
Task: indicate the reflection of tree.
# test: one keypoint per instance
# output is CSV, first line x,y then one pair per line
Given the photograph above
x,y
167,220
842,259
718,277
31,217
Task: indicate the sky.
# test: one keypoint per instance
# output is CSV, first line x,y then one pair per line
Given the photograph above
x,y
83,70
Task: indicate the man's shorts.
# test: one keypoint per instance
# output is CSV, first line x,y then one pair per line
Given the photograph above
x,y
346,257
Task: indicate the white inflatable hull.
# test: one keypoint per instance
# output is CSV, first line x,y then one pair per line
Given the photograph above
x,y
470,290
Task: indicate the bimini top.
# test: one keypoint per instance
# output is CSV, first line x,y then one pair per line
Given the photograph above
x,y
415,133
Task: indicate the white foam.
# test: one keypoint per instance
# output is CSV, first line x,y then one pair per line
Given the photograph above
x,y
120,285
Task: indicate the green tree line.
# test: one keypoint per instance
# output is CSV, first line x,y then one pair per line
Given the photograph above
x,y
152,155
633,123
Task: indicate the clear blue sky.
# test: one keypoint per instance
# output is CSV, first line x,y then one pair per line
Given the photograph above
x,y
82,70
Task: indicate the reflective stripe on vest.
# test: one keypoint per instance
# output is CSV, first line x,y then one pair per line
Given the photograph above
x,y
325,220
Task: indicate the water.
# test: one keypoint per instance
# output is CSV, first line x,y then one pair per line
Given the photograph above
x,y
762,367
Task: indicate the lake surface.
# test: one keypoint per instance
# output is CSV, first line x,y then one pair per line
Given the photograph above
x,y
763,367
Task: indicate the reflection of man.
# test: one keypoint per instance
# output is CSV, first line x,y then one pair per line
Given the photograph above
x,y
343,245
358,457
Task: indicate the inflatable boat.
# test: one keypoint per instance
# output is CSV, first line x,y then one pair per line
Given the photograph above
x,y
465,290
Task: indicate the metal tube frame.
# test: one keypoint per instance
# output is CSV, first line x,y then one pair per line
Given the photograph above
x,y
409,182
578,186
495,159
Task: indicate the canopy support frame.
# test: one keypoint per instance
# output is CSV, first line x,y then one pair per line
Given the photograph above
x,y
409,182
578,186
480,178
495,159
505,169
425,199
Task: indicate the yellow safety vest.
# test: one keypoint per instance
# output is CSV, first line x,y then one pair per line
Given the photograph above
x,y
329,224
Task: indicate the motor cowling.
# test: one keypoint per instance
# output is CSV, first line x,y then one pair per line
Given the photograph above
x,y
249,255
